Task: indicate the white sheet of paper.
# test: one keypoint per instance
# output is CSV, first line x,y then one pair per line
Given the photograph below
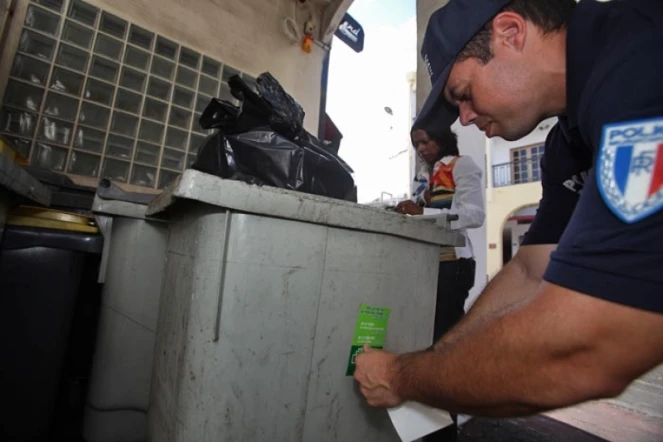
x,y
413,420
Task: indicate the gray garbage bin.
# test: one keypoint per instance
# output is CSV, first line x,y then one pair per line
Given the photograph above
x,y
132,269
261,292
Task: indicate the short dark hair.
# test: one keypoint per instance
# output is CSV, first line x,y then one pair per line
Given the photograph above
x,y
548,15
445,138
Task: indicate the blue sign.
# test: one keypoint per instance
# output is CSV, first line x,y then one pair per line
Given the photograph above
x,y
351,33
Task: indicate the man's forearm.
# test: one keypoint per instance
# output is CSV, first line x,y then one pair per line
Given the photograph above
x,y
512,286
527,361
441,391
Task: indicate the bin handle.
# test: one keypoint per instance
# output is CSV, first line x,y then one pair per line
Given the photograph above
x,y
222,276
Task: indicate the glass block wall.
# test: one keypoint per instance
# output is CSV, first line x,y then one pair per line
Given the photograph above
x,y
91,94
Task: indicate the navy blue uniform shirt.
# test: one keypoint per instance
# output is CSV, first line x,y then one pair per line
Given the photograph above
x,y
602,170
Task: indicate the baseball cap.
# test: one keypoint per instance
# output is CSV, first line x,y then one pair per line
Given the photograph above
x,y
449,29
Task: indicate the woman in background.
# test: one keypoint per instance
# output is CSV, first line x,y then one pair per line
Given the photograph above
x,y
448,184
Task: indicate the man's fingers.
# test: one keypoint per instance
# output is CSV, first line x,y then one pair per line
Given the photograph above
x,y
369,395
360,377
357,375
367,348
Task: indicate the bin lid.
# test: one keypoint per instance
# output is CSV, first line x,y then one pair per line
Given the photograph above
x,y
111,199
16,180
106,207
9,150
65,193
28,216
288,204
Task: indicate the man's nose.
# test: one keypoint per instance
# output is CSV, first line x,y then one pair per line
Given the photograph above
x,y
467,115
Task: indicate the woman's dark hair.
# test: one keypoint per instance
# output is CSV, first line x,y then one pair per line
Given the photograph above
x,y
446,139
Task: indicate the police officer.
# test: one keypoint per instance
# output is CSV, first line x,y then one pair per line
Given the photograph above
x,y
576,315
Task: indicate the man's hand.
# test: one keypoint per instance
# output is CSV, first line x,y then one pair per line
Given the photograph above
x,y
375,372
408,207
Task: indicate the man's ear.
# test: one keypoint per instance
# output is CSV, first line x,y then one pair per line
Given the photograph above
x,y
509,31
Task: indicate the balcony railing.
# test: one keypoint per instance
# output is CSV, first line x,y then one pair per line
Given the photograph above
x,y
516,172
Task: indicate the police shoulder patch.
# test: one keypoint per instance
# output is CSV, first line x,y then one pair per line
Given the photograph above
x,y
630,168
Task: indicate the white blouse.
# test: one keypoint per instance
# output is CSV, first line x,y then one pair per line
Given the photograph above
x,y
467,201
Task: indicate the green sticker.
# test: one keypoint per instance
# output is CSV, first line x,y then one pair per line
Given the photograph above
x,y
371,329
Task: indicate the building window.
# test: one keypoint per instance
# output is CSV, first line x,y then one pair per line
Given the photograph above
x,y
526,164
93,95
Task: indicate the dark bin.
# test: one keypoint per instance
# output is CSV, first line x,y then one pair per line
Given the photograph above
x,y
43,259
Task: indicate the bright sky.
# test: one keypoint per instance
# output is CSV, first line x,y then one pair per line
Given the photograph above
x,y
361,85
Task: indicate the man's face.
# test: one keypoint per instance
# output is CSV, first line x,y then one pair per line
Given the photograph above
x,y
500,97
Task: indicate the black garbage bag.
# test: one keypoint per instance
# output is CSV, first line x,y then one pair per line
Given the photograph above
x,y
263,142
287,115
264,157
269,106
260,157
324,172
